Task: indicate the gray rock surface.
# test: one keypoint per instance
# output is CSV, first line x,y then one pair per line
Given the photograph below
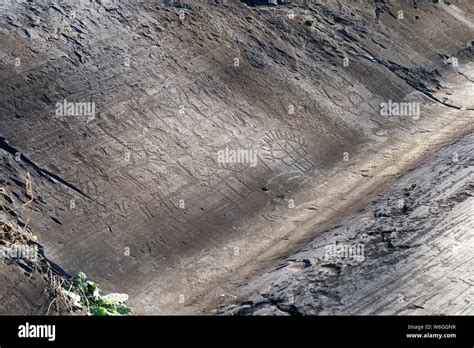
x,y
409,252
129,188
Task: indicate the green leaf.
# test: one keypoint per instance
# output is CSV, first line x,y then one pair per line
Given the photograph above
x,y
80,280
97,310
124,310
92,289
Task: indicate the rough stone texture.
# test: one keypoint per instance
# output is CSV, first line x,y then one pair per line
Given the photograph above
x,y
409,252
21,293
134,196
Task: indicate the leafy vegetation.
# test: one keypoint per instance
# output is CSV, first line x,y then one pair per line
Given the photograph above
x,y
85,294
78,294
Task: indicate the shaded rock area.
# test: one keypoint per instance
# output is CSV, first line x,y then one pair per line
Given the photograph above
x,y
409,252
120,112
21,294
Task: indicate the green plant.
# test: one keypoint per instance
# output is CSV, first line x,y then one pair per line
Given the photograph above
x,y
85,294
80,294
